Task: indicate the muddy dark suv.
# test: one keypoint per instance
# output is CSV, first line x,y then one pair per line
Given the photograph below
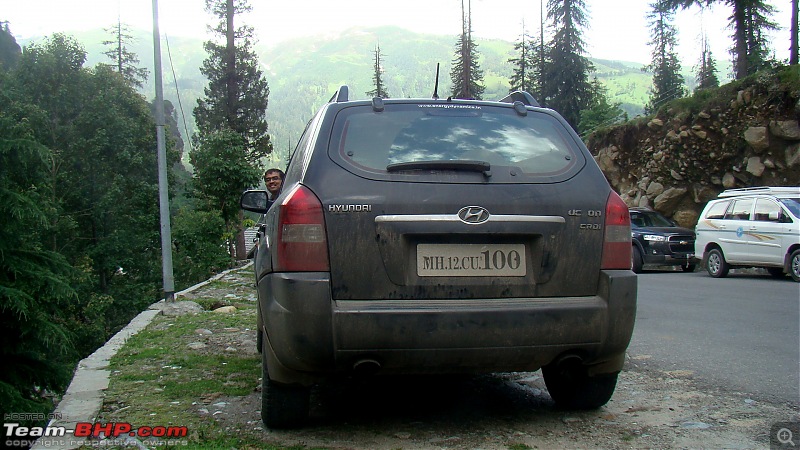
x,y
426,236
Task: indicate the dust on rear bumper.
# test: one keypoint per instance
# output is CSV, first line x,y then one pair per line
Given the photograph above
x,y
312,334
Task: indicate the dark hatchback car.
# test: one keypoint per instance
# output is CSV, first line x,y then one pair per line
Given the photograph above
x,y
658,240
426,236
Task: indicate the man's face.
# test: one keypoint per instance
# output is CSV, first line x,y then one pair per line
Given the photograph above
x,y
273,180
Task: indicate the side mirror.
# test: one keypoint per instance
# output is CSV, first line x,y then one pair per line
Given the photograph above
x,y
255,201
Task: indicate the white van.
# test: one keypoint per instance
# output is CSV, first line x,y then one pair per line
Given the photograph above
x,y
751,227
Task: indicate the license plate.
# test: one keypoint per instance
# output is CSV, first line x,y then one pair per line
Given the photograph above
x,y
471,260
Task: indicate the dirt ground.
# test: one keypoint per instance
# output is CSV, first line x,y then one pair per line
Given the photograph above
x,y
651,408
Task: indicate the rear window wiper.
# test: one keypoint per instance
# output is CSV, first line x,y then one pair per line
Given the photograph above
x,y
445,164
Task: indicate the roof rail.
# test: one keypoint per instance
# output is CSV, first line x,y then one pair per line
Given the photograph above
x,y
773,190
341,95
520,96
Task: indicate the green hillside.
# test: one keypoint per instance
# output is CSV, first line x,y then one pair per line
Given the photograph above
x,y
303,73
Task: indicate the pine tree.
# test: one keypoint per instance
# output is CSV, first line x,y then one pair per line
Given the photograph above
x,y
124,60
9,49
749,20
602,112
707,69
377,77
236,96
668,83
523,78
757,23
466,74
566,81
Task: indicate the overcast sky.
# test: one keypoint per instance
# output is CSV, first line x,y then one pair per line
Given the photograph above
x,y
618,28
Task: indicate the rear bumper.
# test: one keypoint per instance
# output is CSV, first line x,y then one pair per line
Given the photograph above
x,y
310,336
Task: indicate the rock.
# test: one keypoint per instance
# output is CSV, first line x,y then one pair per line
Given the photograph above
x,y
655,123
785,129
757,138
793,155
655,189
669,199
728,180
675,175
702,194
230,349
686,218
178,308
702,134
225,310
743,97
197,345
755,166
703,115
203,331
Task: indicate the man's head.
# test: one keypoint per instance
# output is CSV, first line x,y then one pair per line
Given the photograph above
x,y
274,181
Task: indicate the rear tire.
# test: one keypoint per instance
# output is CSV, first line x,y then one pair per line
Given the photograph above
x,y
282,406
636,260
794,266
716,266
571,387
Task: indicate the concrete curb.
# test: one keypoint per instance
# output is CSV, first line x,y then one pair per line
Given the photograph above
x,y
84,397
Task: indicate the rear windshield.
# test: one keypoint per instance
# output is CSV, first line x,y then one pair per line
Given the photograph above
x,y
536,144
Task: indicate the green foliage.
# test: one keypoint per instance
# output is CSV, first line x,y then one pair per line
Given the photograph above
x,y
236,96
668,82
222,172
466,73
566,86
124,60
602,113
79,252
34,281
377,78
9,49
199,246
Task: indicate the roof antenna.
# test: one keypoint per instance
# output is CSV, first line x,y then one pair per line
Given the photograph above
x,y
436,86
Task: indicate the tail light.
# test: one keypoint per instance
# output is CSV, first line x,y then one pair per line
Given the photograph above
x,y
617,238
302,243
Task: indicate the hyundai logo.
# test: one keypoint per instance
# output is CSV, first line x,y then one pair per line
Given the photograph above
x,y
473,214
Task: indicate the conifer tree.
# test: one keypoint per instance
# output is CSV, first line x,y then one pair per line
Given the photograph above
x,y
707,69
124,61
749,20
235,99
237,94
377,77
601,113
466,74
668,83
524,76
566,79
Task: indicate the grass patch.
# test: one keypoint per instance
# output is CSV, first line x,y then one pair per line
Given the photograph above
x,y
158,380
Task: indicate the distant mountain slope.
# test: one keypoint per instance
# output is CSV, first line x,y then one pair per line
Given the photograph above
x,y
303,73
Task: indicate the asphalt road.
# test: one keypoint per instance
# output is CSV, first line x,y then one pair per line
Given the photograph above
x,y
740,333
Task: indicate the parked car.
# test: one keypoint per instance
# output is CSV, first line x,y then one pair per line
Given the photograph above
x,y
427,236
751,227
657,240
